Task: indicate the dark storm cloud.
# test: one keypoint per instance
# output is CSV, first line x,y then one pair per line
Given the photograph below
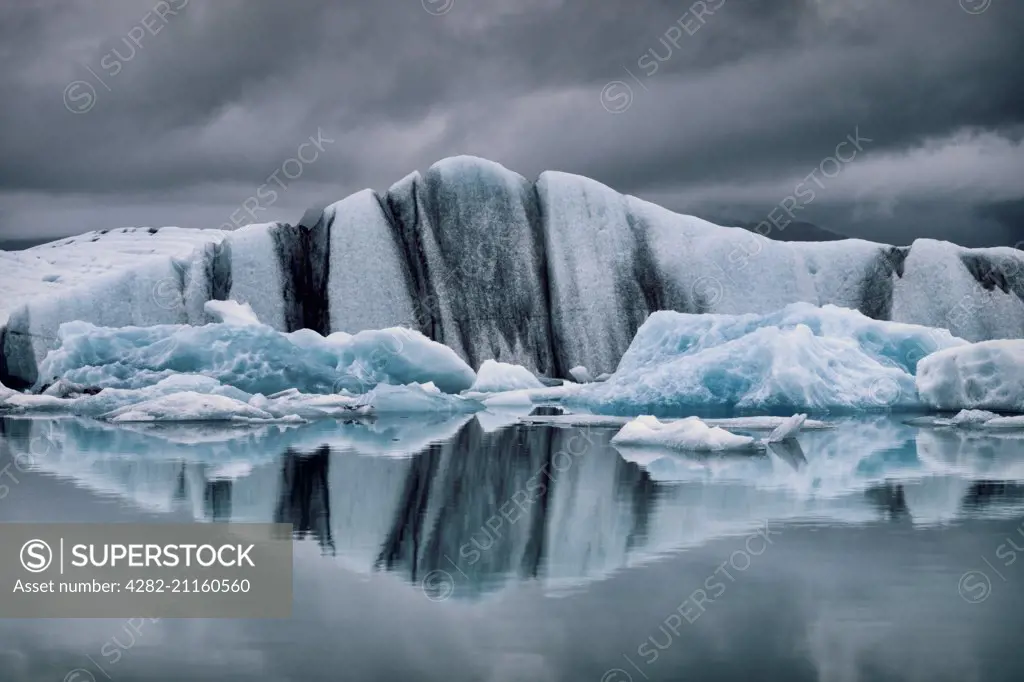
x,y
729,102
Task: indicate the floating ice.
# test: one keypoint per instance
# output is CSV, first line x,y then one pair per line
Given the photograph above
x,y
801,357
253,358
496,377
386,398
685,434
971,419
988,375
189,406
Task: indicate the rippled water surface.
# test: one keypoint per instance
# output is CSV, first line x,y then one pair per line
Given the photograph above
x,y
484,549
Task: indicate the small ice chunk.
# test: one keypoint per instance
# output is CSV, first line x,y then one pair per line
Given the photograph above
x,y
581,375
972,418
787,429
686,434
232,313
497,377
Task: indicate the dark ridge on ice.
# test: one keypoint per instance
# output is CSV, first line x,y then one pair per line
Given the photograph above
x,y
303,253
993,272
404,209
18,369
879,282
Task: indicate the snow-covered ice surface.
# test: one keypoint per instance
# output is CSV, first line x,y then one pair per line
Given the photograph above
x,y
551,274
496,377
800,357
986,376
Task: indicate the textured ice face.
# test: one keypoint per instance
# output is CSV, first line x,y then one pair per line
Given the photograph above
x,y
801,357
986,376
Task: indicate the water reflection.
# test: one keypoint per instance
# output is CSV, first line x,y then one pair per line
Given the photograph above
x,y
488,504
304,499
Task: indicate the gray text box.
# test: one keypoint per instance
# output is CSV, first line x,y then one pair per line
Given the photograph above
x,y
211,570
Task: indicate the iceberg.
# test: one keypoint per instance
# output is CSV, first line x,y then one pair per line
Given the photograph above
x,y
799,358
551,274
253,358
981,376
497,377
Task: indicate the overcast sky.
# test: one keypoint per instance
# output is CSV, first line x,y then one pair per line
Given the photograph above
x,y
123,112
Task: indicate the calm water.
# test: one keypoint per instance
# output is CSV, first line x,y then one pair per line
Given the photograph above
x,y
480,549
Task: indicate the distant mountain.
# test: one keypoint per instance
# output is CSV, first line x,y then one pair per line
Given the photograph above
x,y
19,244
795,231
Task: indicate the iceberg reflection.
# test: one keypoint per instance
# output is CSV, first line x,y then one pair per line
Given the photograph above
x,y
487,506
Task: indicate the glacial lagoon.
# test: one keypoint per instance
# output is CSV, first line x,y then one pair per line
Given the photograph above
x,y
485,548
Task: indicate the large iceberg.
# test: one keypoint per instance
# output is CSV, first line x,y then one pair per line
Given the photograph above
x,y
552,274
800,357
987,376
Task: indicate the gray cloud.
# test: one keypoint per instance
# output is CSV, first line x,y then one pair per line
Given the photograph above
x,y
728,106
